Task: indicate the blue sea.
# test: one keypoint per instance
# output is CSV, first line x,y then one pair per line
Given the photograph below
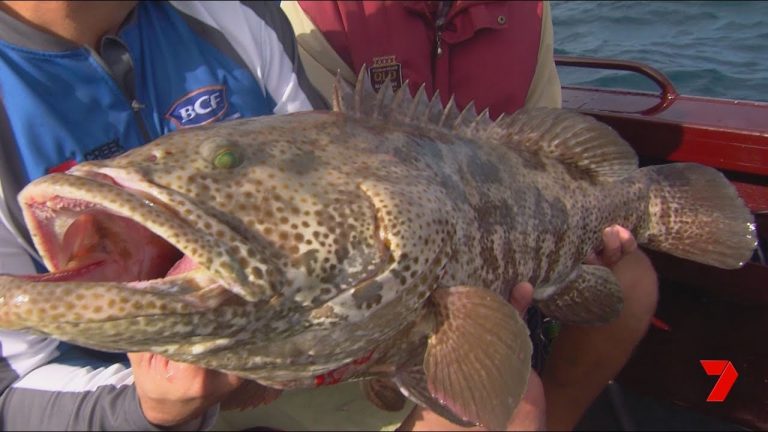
x,y
706,48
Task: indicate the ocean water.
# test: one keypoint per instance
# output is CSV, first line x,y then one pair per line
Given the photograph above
x,y
706,48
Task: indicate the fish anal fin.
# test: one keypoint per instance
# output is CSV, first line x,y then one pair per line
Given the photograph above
x,y
591,296
478,360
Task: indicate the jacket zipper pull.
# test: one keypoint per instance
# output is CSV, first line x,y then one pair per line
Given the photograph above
x,y
440,16
136,105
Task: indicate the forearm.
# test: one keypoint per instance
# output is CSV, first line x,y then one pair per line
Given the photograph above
x,y
77,390
105,408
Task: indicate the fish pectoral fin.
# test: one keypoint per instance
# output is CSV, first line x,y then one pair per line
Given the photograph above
x,y
591,296
383,393
477,360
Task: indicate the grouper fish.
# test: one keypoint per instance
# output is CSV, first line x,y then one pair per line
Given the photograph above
x,y
376,242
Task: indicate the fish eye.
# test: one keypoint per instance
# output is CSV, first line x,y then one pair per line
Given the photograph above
x,y
226,159
221,153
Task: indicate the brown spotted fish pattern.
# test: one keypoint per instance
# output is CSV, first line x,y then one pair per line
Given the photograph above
x,y
375,242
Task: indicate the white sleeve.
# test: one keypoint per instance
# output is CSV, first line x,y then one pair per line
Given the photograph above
x,y
21,352
263,37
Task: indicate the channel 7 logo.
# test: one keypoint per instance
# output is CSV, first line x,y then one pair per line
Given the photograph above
x,y
728,375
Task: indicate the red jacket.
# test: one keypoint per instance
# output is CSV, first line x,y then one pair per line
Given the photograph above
x,y
484,51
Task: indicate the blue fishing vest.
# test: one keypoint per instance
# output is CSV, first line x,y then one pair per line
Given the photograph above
x,y
69,106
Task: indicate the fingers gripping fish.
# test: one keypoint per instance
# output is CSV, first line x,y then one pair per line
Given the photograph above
x,y
375,242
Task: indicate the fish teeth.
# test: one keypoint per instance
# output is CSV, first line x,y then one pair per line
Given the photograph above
x,y
61,203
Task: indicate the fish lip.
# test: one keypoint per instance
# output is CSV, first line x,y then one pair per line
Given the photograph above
x,y
65,192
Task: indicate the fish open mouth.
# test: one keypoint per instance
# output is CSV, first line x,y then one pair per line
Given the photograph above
x,y
92,244
81,239
98,223
119,252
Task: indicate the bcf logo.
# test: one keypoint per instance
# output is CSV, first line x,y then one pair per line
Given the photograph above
x,y
202,106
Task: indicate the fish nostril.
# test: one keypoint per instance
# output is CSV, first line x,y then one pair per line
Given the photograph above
x,y
158,155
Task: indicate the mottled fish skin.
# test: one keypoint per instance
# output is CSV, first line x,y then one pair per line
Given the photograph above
x,y
322,236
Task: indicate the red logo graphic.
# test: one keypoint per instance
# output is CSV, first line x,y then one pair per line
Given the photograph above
x,y
62,167
728,375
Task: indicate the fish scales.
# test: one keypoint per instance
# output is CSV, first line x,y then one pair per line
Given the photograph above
x,y
375,242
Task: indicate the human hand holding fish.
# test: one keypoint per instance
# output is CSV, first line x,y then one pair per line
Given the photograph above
x,y
617,243
175,395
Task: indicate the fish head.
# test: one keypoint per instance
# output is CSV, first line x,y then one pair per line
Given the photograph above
x,y
244,229
144,211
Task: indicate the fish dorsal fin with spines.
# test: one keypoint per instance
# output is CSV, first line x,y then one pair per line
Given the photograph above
x,y
572,138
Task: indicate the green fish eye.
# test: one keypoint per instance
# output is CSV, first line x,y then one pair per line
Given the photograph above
x,y
226,159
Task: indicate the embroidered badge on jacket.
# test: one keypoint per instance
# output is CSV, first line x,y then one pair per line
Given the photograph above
x,y
383,69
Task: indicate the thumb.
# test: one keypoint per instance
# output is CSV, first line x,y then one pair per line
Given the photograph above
x,y
521,296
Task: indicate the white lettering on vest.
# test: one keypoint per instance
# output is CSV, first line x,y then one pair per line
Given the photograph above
x,y
201,106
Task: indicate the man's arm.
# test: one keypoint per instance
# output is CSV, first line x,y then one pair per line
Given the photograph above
x,y
320,60
262,38
276,20
47,385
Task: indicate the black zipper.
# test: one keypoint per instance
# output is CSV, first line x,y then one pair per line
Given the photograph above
x,y
119,67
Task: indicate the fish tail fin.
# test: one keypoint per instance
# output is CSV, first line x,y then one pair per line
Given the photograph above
x,y
696,213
